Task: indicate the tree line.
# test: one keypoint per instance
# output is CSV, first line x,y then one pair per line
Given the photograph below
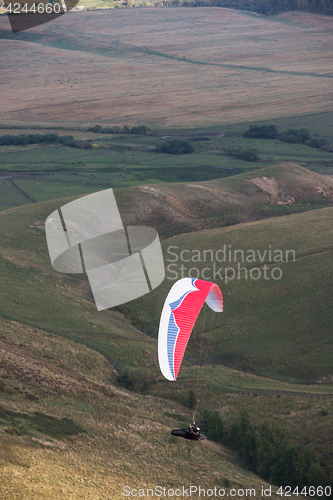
x,y
243,153
292,136
269,449
25,139
175,147
139,130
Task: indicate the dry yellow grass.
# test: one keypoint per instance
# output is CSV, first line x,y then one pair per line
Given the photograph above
x,y
128,66
128,438
203,205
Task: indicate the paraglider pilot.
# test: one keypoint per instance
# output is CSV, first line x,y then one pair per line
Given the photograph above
x,y
192,432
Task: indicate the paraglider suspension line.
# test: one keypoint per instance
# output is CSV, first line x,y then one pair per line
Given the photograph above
x,y
199,364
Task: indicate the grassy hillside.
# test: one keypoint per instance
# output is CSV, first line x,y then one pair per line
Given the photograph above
x,y
32,293
66,430
61,412
159,67
183,207
275,327
46,377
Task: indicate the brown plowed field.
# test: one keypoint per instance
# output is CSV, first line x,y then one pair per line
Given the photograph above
x,y
167,66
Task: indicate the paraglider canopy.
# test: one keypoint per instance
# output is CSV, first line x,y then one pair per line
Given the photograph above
x,y
180,311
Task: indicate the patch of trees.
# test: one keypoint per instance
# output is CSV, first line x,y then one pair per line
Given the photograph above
x,y
317,143
25,139
261,132
302,136
140,130
296,135
72,143
271,451
136,379
292,136
243,153
213,425
175,147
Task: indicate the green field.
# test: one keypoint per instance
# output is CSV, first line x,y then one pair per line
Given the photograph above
x,y
10,196
50,172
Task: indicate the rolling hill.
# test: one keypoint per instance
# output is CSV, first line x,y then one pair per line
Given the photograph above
x,y
278,327
84,409
183,207
60,408
60,412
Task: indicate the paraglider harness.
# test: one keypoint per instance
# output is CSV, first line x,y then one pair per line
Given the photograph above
x,y
192,433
